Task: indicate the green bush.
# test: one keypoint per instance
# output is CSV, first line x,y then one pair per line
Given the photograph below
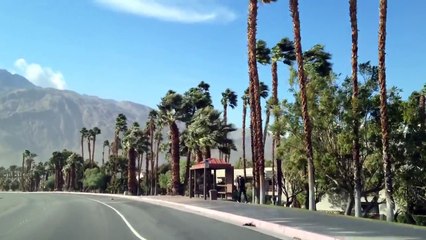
x,y
420,220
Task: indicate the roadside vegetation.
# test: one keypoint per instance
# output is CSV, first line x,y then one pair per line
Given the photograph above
x,y
346,137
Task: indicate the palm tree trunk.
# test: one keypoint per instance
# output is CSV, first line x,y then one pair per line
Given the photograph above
x,y
147,157
277,138
156,166
273,171
82,148
225,119
199,155
140,157
294,9
109,152
103,155
387,162
174,132
355,147
22,174
244,140
152,159
90,152
93,150
255,97
131,181
187,167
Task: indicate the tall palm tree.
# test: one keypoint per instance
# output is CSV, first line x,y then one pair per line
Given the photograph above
x,y
25,155
355,130
282,51
96,131
120,126
130,142
294,9
245,99
171,112
89,137
158,141
153,115
229,98
84,133
255,112
105,144
387,162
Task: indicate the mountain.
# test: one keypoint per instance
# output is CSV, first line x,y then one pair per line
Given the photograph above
x,y
44,120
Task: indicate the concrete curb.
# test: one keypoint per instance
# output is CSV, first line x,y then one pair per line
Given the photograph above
x,y
263,226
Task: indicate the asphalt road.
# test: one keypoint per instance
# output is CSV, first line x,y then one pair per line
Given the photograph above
x,y
48,216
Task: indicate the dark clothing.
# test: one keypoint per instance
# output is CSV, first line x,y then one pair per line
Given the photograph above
x,y
241,183
241,188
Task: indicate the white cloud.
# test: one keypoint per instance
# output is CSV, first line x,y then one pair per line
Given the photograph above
x,y
184,11
39,75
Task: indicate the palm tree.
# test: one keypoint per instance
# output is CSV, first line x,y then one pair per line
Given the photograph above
x,y
294,9
387,162
105,144
356,146
283,51
170,112
153,115
158,139
84,133
25,155
96,131
120,126
89,137
245,99
255,112
229,98
130,141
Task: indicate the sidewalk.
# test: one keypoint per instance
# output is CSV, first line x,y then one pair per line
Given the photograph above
x,y
290,222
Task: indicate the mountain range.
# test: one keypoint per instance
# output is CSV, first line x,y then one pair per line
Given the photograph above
x,y
44,120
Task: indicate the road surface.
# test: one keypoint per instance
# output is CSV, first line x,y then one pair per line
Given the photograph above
x,y
44,216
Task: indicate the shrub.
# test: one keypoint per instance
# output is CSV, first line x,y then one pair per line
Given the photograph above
x,y
420,220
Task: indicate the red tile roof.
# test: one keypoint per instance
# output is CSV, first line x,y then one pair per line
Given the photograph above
x,y
214,163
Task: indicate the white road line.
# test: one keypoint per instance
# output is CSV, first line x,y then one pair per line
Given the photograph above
x,y
124,219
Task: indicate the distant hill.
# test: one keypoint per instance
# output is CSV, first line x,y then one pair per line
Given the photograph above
x,y
44,120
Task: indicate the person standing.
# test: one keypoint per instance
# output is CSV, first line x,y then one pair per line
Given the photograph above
x,y
241,188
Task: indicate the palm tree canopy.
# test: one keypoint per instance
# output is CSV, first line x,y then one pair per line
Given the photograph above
x,y
106,143
230,98
121,123
196,98
96,131
264,90
263,53
83,132
284,51
171,107
319,59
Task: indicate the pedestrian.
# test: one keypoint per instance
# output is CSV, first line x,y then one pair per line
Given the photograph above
x,y
241,188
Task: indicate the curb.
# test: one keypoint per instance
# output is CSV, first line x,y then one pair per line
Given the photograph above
x,y
259,225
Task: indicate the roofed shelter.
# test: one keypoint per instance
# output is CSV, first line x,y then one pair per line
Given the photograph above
x,y
209,167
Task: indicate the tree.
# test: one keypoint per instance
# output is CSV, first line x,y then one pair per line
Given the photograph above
x,y
25,154
120,126
387,162
255,112
294,9
84,133
170,111
96,131
229,98
130,142
89,137
245,99
158,139
282,51
105,144
355,131
58,160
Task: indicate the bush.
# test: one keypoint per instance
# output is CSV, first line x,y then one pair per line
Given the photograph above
x,y
420,220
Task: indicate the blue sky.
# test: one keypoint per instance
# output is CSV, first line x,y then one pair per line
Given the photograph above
x,y
136,50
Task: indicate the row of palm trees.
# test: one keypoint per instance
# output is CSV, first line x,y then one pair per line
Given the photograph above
x,y
255,109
